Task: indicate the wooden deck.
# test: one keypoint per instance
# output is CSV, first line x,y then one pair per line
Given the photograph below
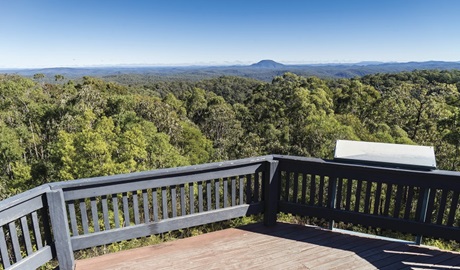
x,y
284,246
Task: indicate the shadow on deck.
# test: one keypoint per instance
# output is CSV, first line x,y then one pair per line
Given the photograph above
x,y
283,246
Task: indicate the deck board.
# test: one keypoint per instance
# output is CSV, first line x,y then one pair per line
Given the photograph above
x,y
284,246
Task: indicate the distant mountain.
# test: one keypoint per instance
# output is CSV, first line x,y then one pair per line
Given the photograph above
x,y
264,70
267,64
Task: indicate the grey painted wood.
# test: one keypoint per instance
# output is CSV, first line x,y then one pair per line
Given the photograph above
x,y
173,201
145,203
191,197
94,214
200,197
115,235
105,212
35,260
367,197
378,193
431,205
225,195
312,189
421,216
409,201
208,195
73,217
388,196
271,192
233,191
241,186
155,204
248,189
295,189
15,241
332,197
4,249
321,191
96,189
23,208
256,187
190,171
217,193
19,199
303,195
115,210
453,209
182,200
397,208
125,203
36,229
136,207
164,202
339,193
349,194
359,186
84,216
61,232
26,235
442,207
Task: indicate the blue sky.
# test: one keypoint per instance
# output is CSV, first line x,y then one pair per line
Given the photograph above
x,y
56,33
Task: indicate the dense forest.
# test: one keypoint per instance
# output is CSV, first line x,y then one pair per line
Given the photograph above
x,y
89,127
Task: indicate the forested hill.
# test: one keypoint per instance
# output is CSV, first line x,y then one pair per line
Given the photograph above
x,y
75,129
264,70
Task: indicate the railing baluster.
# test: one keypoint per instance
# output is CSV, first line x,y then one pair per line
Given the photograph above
x,y
36,227
126,209
287,186
378,193
312,189
429,212
155,204
339,194
304,188
295,191
256,186
321,191
367,197
248,189
200,197
26,235
225,198
358,195
174,201
182,200
348,198
137,219
453,208
94,214
389,193
399,193
241,185
84,216
208,195
410,197
73,218
191,197
164,202
115,210
4,249
105,212
442,207
15,241
145,205
233,191
217,193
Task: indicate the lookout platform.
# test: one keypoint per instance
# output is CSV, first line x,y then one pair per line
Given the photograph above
x,y
283,246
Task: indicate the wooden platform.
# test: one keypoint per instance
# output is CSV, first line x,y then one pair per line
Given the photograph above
x,y
284,246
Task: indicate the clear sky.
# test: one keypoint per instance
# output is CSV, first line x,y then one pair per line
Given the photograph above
x,y
56,33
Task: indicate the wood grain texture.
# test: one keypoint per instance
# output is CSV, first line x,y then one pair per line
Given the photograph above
x,y
283,246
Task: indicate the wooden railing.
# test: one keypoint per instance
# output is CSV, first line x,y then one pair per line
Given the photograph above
x,y
52,221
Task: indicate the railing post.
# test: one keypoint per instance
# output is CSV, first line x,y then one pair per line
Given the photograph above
x,y
271,192
60,228
423,211
332,198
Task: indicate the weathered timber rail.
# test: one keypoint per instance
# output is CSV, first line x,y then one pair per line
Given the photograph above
x,y
54,220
